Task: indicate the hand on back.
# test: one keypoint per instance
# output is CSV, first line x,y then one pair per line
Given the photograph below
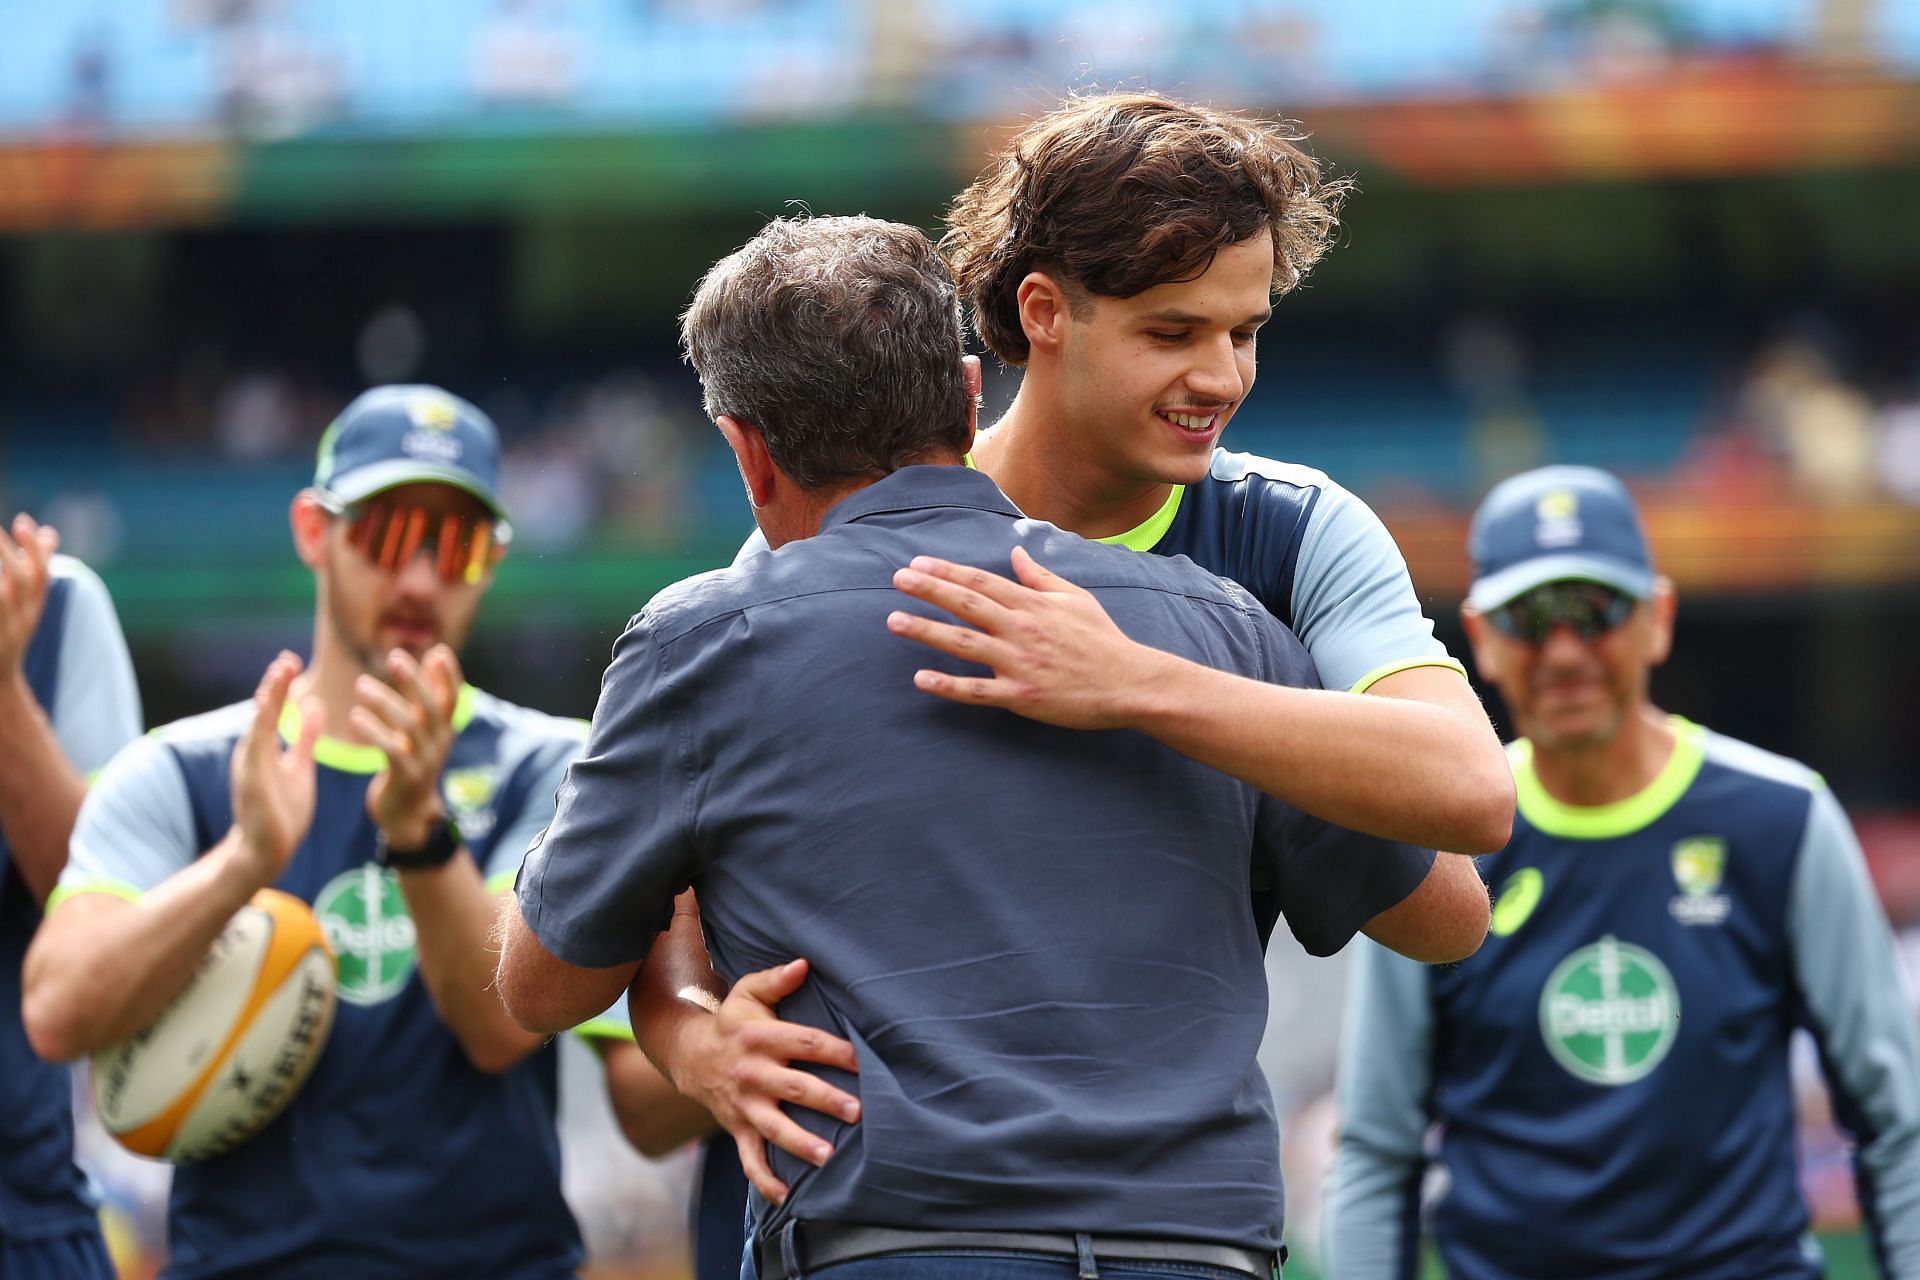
x,y
1056,655
411,720
738,1065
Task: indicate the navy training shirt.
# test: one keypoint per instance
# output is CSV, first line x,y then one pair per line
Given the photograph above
x,y
1315,555
398,1158
1609,1073
1039,941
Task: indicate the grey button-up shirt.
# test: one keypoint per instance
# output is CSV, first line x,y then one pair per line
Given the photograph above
x,y
1045,945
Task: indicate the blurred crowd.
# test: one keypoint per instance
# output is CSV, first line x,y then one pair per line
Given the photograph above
x,y
625,457
269,69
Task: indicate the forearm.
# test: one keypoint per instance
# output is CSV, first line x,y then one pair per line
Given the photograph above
x,y
655,1117
1392,767
1442,921
675,990
40,792
453,919
101,968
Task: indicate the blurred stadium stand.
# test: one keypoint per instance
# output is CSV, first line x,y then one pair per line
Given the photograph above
x,y
272,68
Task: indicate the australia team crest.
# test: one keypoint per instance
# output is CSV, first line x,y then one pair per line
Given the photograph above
x,y
469,794
1699,867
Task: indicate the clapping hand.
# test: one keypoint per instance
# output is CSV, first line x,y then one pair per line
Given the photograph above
x,y
412,721
273,790
23,587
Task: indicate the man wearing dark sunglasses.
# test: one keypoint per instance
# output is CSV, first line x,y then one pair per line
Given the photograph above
x,y
376,784
1609,1074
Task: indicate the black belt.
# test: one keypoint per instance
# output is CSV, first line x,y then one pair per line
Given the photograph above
x,y
826,1244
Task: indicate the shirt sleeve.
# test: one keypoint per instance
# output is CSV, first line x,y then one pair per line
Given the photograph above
x,y
1859,1013
1353,600
96,703
510,847
1328,881
1372,1207
135,827
599,884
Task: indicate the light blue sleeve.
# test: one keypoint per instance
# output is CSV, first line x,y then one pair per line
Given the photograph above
x,y
510,850
96,703
1370,1220
1858,1010
135,827
1354,605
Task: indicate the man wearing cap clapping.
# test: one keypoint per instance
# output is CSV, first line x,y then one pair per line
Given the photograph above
x,y
374,783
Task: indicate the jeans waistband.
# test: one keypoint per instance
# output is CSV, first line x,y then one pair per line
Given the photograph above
x,y
823,1244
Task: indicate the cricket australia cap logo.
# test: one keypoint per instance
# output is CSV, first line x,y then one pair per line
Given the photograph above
x,y
432,438
1699,865
1610,1012
364,915
1557,520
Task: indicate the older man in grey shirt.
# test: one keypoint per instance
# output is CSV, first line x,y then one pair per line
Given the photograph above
x,y
1043,944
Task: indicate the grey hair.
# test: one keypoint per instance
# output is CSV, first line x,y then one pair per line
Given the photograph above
x,y
841,340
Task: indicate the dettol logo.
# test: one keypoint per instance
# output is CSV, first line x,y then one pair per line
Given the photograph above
x,y
365,918
1609,1012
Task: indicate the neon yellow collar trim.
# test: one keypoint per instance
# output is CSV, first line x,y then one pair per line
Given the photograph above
x,y
1147,534
358,757
1622,817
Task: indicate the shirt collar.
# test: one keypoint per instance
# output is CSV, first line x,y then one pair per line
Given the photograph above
x,y
919,487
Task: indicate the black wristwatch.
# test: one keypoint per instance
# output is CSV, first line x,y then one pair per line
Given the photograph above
x,y
442,842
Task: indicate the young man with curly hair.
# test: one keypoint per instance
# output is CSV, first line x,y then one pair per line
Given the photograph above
x,y
1125,251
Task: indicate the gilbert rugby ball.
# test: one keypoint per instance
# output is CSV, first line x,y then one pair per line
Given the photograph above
x,y
234,1046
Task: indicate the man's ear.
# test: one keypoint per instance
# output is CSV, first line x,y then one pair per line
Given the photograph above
x,y
1660,613
310,522
1045,310
1486,658
970,370
750,454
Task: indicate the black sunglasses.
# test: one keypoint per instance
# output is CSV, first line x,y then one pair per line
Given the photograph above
x,y
1589,608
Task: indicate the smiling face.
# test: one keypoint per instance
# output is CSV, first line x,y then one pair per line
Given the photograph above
x,y
1147,383
1566,693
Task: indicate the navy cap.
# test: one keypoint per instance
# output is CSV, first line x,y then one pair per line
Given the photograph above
x,y
399,435
1555,524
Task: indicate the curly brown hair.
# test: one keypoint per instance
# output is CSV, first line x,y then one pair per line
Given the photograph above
x,y
1118,192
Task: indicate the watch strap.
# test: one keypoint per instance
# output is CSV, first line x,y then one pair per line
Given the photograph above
x,y
442,842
